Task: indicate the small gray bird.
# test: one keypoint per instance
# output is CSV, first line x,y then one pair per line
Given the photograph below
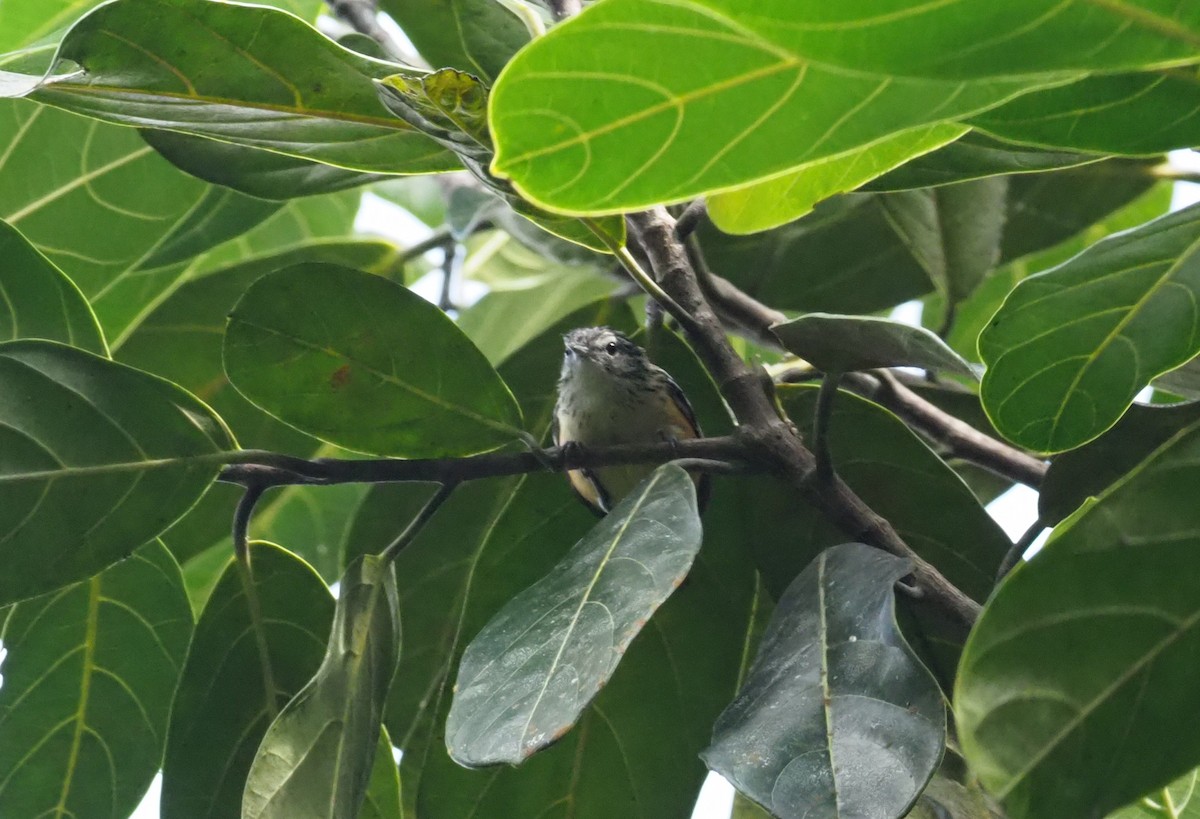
x,y
610,393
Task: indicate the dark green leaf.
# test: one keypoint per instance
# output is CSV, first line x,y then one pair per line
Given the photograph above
x,y
364,363
88,684
539,662
98,459
781,199
478,36
1074,476
250,170
1185,801
841,344
259,640
1109,113
844,257
953,231
383,790
316,758
280,85
1131,303
838,717
1115,586
975,156
38,301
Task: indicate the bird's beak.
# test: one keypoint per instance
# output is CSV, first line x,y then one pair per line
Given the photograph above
x,y
575,350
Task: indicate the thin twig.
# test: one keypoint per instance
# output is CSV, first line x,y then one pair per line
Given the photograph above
x,y
690,219
562,9
1019,549
257,467
417,523
821,424
241,520
450,252
960,438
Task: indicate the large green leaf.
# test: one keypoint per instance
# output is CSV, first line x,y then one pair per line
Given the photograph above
x,y
88,684
543,657
1055,738
478,36
781,199
98,459
249,75
841,344
262,635
1184,802
1087,471
1183,381
1108,113
316,758
38,301
220,215
774,92
837,717
383,790
252,170
364,363
1131,303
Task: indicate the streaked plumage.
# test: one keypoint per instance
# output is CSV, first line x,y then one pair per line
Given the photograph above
x,y
610,393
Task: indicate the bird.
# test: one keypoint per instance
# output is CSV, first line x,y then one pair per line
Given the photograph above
x,y
610,393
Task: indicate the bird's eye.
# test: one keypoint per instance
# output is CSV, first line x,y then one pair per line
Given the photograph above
x,y
611,348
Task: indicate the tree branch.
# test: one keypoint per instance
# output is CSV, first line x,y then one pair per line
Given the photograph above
x,y
562,9
363,17
960,438
266,469
415,525
770,439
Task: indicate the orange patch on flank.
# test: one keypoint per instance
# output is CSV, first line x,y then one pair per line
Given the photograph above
x,y
340,377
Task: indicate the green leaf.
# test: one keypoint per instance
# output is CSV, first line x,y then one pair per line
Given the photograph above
x,y
1131,300
281,85
478,36
316,758
99,458
1134,114
781,199
545,655
38,301
220,215
840,344
837,717
975,156
383,790
1185,801
259,640
1087,471
250,170
770,97
88,684
844,257
451,107
364,363
953,231
1054,738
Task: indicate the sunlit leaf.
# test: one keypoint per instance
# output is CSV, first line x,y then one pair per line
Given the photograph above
x,y
88,684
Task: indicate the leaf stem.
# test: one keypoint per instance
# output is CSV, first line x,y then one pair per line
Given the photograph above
x,y
821,424
1019,548
241,520
418,523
